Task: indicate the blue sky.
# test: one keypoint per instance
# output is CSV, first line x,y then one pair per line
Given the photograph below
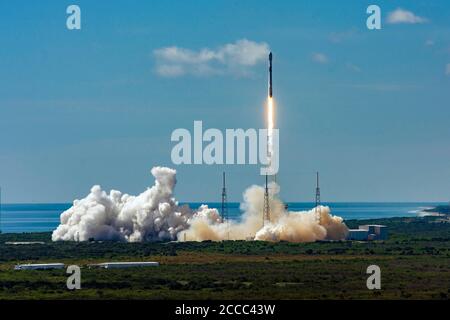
x,y
368,109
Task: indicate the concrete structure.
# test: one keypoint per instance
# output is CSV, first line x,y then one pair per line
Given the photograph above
x,y
121,265
379,231
40,266
368,232
357,234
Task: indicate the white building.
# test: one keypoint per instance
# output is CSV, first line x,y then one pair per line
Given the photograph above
x,y
40,266
121,265
368,232
378,231
20,243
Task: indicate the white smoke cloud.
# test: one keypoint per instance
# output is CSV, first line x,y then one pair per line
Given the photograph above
x,y
404,16
232,58
301,226
152,215
319,57
155,215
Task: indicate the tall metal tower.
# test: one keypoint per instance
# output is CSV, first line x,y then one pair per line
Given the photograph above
x,y
266,213
317,209
224,211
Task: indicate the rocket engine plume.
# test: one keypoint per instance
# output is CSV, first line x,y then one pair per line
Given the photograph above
x,y
266,210
270,114
270,126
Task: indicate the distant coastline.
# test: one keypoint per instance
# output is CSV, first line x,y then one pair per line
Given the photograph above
x,y
18,218
442,210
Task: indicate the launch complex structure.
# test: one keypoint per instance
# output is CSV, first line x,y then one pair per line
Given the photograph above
x,y
317,208
270,150
270,126
224,208
270,122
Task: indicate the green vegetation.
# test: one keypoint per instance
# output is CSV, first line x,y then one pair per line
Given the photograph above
x,y
440,209
414,262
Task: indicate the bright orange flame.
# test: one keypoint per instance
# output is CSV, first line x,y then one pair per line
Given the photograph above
x,y
270,113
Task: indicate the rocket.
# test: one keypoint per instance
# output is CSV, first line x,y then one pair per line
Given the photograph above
x,y
270,74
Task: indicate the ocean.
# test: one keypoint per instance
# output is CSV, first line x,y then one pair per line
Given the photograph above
x,y
17,218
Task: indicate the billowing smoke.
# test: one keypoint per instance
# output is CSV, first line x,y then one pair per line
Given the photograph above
x,y
302,226
155,215
152,215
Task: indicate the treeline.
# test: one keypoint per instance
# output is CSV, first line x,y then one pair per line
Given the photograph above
x,y
411,236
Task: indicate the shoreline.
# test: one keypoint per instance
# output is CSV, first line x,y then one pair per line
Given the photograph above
x,y
416,215
22,218
349,222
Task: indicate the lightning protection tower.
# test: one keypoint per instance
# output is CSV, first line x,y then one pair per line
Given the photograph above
x,y
317,209
224,212
266,213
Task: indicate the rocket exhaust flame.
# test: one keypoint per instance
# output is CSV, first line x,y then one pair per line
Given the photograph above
x,y
270,126
266,209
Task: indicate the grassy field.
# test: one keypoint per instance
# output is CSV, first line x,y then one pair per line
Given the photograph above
x,y
414,263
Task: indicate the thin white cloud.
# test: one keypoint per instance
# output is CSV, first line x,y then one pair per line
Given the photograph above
x,y
353,67
338,37
447,69
232,58
404,16
319,57
169,70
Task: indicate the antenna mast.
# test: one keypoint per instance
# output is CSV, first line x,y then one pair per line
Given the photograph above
x,y
317,209
224,212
